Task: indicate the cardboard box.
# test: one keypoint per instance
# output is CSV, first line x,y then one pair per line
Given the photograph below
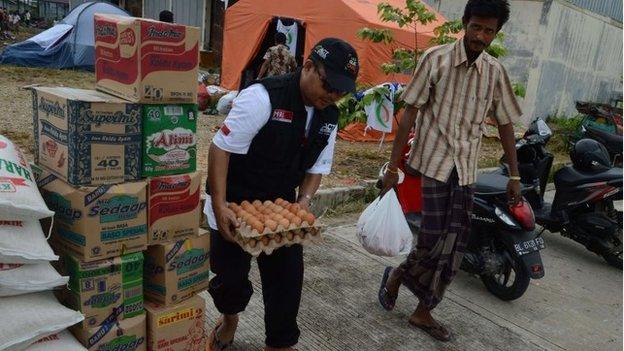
x,y
147,61
94,223
169,142
87,137
176,271
126,335
179,327
173,207
109,289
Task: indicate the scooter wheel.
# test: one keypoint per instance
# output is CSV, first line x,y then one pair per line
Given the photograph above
x,y
614,257
511,284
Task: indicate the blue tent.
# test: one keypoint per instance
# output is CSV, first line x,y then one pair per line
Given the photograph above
x,y
69,44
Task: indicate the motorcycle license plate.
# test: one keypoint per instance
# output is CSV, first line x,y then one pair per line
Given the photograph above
x,y
529,246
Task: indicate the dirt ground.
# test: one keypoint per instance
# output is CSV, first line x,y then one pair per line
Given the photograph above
x,y
353,162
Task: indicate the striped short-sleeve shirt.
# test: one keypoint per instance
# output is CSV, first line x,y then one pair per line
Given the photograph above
x,y
453,98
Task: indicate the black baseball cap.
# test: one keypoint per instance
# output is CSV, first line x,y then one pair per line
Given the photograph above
x,y
340,61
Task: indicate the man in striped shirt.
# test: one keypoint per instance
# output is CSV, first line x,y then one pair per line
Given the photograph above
x,y
454,87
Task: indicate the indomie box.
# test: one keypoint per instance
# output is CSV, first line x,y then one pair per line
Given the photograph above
x,y
87,137
176,271
94,223
143,60
179,327
169,139
124,335
109,289
173,207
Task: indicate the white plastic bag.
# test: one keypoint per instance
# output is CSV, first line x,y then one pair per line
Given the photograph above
x,y
24,242
62,341
224,105
18,279
28,318
382,228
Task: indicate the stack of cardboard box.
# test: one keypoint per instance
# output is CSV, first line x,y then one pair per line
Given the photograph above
x,y
119,171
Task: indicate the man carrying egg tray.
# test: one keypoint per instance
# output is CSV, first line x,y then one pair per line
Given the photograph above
x,y
278,137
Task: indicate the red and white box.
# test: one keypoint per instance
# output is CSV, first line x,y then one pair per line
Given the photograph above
x,y
146,61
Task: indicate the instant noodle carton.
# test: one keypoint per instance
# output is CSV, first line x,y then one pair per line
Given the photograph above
x,y
94,223
126,335
177,271
104,290
87,137
179,327
146,61
169,139
173,207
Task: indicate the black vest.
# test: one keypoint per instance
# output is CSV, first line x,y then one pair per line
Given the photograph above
x,y
280,153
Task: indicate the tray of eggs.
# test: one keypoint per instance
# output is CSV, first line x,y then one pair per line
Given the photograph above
x,y
266,226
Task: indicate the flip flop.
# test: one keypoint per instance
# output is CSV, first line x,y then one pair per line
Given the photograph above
x,y
386,300
213,341
437,332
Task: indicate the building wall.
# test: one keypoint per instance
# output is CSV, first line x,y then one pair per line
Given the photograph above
x,y
561,52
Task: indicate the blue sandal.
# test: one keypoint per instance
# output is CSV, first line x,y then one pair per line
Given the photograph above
x,y
386,300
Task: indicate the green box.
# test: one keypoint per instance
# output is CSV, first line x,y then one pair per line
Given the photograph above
x,y
169,139
105,290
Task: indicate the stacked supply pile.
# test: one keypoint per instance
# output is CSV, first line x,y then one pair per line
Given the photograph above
x,y
156,64
28,310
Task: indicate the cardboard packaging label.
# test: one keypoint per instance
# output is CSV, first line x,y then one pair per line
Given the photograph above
x,y
173,203
146,61
179,327
124,335
94,223
176,271
169,139
109,289
87,137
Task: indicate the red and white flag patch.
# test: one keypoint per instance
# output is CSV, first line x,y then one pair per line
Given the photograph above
x,y
225,130
282,115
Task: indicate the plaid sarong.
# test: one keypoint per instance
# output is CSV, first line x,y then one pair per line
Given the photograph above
x,y
445,227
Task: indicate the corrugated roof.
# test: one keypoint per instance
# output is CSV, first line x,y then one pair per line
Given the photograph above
x,y
607,8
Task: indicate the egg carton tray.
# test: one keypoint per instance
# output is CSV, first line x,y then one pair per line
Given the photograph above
x,y
268,241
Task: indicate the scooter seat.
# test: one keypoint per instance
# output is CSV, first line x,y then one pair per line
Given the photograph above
x,y
569,176
490,184
612,142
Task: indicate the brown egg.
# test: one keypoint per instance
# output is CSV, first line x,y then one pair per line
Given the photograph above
x,y
290,236
274,216
271,224
265,240
257,203
257,226
277,238
267,203
267,211
247,206
301,214
309,217
252,243
296,220
295,208
279,200
245,203
284,212
289,216
261,217
284,222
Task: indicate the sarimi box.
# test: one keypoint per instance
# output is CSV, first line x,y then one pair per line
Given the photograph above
x,y
170,139
94,223
177,271
173,204
179,327
125,335
146,61
104,290
87,137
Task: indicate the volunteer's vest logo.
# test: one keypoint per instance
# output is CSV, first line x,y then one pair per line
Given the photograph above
x,y
53,108
282,115
117,208
123,343
111,118
327,129
190,260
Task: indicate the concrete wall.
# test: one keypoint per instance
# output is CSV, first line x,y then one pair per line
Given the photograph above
x,y
562,53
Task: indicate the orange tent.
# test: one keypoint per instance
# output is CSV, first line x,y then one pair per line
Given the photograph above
x,y
247,22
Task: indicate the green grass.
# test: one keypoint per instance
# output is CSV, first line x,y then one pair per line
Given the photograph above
x,y
354,206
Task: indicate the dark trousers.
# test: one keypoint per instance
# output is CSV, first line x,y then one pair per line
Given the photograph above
x,y
282,278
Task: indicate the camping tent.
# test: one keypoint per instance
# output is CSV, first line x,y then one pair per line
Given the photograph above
x,y
247,29
69,44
